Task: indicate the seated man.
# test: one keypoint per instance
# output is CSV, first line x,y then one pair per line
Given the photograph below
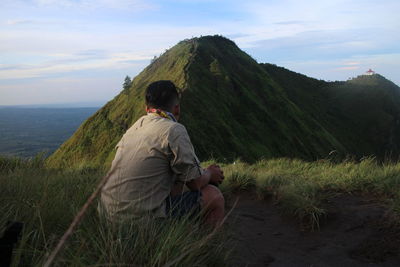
x,y
153,162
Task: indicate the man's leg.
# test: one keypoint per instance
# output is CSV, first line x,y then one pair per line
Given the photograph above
x,y
213,204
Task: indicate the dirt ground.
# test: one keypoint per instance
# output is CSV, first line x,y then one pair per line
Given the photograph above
x,y
356,232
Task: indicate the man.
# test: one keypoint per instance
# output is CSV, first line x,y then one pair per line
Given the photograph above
x,y
154,161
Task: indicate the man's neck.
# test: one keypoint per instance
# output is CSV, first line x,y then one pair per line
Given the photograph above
x,y
162,113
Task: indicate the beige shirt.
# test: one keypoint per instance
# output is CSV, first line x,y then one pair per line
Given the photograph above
x,y
151,156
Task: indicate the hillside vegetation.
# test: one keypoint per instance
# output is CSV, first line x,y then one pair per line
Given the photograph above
x,y
248,114
362,113
234,107
47,200
94,141
302,189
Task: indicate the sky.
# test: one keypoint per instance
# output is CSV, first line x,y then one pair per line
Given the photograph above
x,y
68,51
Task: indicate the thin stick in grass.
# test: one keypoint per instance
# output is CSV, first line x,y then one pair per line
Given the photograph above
x,y
78,218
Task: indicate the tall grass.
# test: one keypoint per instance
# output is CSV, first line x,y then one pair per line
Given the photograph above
x,y
8,164
302,188
47,200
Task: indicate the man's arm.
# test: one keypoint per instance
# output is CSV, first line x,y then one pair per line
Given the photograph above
x,y
213,174
185,164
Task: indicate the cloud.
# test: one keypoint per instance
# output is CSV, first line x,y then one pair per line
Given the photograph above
x,y
19,22
323,39
352,63
236,35
61,89
348,68
291,22
131,5
71,64
325,44
287,18
92,52
4,67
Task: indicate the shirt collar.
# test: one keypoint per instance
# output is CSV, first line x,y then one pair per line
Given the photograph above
x,y
162,113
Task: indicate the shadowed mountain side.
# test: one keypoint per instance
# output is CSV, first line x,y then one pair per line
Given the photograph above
x,y
233,107
363,113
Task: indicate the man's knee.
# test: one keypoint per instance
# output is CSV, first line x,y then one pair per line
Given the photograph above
x,y
212,196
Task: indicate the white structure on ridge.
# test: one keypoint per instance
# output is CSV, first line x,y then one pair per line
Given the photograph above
x,y
370,72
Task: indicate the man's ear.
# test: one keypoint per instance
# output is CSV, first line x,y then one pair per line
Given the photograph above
x,y
176,111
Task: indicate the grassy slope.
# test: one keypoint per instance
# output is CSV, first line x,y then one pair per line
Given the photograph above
x,y
230,106
302,188
363,113
46,201
371,105
93,143
234,109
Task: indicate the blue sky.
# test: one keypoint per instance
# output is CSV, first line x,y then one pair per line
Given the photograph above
x,y
58,51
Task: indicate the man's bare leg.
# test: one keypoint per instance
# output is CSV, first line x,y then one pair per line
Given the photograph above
x,y
177,189
213,203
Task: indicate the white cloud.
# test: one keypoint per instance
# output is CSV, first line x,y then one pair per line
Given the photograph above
x,y
18,21
67,64
346,68
342,69
132,5
321,38
286,18
61,90
351,63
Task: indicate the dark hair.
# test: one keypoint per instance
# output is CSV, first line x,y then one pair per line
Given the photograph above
x,y
162,94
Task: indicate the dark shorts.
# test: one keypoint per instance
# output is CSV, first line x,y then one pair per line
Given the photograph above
x,y
186,204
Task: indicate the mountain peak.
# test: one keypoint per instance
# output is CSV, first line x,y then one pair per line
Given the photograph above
x,y
209,38
376,81
232,107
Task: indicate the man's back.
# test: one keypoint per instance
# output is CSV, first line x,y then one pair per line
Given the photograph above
x,y
151,155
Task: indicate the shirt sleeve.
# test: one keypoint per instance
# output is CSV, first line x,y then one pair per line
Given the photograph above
x,y
184,162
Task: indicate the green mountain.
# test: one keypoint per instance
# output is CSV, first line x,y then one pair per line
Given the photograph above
x,y
362,113
234,107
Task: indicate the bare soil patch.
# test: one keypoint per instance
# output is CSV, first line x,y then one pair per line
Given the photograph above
x,y
356,232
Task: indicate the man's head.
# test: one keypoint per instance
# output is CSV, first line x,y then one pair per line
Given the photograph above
x,y
163,95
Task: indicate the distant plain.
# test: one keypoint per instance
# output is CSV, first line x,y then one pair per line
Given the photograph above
x,y
27,131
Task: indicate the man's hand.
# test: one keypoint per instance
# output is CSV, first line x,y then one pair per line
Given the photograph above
x,y
217,175
212,175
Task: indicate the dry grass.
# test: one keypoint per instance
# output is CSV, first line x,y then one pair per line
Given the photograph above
x,y
47,200
301,188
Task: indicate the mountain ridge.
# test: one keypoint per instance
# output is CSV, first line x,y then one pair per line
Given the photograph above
x,y
343,105
232,106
